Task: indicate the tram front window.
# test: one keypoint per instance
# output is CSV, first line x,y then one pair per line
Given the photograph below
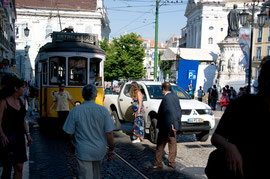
x,y
57,70
95,76
77,71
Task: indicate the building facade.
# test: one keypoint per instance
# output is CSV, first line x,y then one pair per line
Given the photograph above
x,y
44,17
207,22
7,34
261,47
148,63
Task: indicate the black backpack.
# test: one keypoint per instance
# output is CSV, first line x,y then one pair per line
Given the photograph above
x,y
214,93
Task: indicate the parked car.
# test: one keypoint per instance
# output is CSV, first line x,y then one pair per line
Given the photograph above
x,y
197,117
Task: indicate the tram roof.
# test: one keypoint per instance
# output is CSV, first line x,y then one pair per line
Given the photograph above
x,y
70,47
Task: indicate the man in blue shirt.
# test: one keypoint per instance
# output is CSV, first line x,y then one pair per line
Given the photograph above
x,y
90,128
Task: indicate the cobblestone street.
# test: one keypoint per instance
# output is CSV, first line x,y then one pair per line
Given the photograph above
x,y
49,158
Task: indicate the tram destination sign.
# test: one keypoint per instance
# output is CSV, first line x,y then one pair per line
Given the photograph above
x,y
75,37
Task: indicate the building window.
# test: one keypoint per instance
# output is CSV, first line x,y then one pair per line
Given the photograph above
x,y
210,40
269,34
258,53
268,50
88,29
48,30
260,32
221,29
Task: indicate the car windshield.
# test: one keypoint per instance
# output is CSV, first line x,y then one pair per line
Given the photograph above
x,y
155,92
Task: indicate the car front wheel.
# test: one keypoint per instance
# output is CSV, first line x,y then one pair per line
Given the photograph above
x,y
203,136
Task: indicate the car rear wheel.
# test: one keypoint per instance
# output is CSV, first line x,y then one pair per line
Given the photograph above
x,y
153,131
115,120
203,136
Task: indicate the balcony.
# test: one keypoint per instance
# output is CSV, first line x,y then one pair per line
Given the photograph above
x,y
257,59
4,41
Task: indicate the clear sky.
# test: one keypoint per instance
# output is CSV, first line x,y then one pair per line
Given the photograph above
x,y
138,16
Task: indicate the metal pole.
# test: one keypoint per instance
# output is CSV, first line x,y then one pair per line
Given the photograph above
x,y
251,50
156,42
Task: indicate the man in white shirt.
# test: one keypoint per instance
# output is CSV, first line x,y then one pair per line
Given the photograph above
x,y
91,129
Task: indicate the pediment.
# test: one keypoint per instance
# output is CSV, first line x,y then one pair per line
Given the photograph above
x,y
190,5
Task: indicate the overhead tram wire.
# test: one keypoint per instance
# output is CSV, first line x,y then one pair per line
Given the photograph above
x,y
132,21
164,3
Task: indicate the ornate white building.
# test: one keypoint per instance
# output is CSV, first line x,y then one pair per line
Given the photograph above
x,y
207,22
207,27
44,17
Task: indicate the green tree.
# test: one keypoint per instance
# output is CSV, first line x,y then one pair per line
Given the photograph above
x,y
165,66
124,58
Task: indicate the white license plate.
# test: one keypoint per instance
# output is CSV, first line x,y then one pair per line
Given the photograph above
x,y
195,120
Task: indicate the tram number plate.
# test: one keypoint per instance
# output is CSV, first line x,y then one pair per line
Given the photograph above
x,y
195,120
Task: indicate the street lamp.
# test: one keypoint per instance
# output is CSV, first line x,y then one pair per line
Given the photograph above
x,y
26,31
244,21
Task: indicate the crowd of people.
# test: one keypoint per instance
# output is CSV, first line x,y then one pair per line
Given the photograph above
x,y
225,95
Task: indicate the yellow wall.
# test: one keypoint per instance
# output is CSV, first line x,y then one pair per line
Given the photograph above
x,y
264,44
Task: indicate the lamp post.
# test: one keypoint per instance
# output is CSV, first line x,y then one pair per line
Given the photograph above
x,y
26,31
245,22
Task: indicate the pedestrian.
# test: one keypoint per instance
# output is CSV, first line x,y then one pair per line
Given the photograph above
x,y
240,146
138,109
190,91
169,122
90,129
213,97
233,94
61,98
209,96
227,90
241,92
200,93
13,127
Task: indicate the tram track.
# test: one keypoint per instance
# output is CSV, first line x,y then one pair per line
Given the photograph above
x,y
131,166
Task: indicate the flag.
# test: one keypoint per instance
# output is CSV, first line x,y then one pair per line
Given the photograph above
x,y
244,41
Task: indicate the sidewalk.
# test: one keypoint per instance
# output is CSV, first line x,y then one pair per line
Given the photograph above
x,y
218,114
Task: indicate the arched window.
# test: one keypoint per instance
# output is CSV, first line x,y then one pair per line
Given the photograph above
x,y
48,30
88,29
210,40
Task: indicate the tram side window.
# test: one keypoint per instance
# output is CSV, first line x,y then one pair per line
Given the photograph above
x,y
95,76
44,73
57,70
77,71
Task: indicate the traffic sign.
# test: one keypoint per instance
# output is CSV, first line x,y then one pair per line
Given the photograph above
x,y
192,74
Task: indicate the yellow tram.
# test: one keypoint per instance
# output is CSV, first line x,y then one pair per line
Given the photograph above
x,y
73,59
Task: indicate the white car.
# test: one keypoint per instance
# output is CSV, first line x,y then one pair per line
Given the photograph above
x,y
197,117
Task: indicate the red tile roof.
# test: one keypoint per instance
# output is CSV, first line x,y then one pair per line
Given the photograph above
x,y
60,4
152,42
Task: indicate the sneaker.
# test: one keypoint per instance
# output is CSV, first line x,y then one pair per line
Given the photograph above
x,y
155,167
136,141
